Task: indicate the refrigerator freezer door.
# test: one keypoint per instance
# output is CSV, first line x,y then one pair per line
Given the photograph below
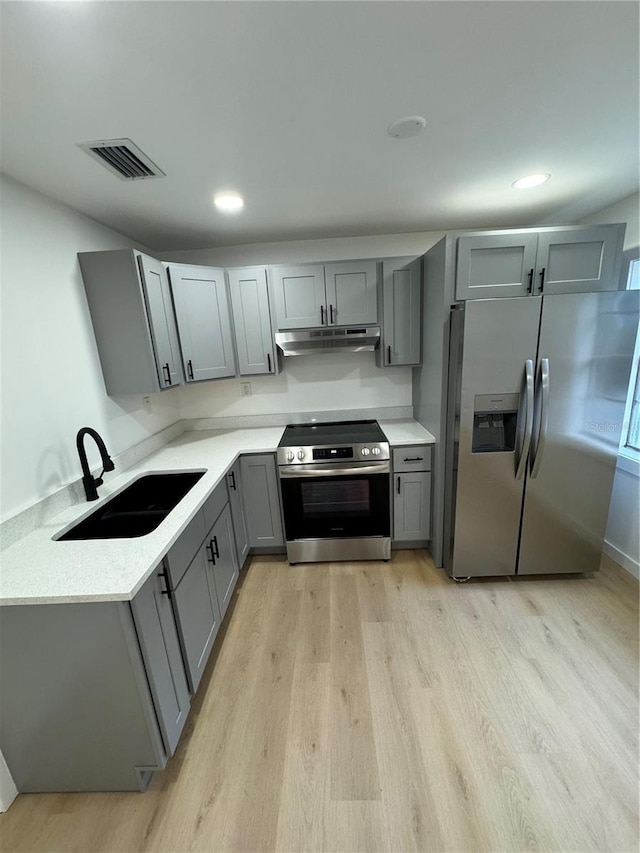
x,y
587,342
500,336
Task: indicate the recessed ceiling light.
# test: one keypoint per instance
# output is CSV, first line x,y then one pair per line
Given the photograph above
x,y
531,181
228,202
408,126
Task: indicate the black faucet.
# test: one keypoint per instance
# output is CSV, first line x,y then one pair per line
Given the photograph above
x,y
90,482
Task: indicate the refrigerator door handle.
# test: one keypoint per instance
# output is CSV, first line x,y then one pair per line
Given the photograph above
x,y
525,425
543,417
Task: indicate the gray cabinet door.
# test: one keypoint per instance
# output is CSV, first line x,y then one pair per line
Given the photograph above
x,y
223,559
204,322
579,261
261,500
299,296
164,335
240,533
491,265
401,316
197,614
351,293
412,506
156,630
252,321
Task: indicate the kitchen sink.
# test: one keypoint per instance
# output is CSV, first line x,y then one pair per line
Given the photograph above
x,y
136,510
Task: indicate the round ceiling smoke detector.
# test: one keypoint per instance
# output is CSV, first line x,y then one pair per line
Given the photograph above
x,y
406,127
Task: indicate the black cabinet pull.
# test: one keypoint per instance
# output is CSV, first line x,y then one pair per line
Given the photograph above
x,y
322,315
269,362
389,355
398,485
530,285
209,547
215,544
190,369
331,312
542,272
232,477
167,374
413,458
167,590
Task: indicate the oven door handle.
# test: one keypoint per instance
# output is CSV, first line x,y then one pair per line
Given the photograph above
x,y
291,471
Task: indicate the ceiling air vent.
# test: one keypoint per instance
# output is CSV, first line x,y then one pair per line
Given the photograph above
x,y
123,158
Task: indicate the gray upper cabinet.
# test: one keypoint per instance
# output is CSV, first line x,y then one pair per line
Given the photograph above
x,y
401,315
156,630
204,322
241,535
495,265
262,500
133,321
580,261
252,321
340,294
351,292
549,261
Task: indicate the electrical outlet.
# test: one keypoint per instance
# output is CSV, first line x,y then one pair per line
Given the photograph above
x,y
245,389
146,403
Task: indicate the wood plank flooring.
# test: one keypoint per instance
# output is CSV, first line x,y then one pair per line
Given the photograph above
x,y
381,707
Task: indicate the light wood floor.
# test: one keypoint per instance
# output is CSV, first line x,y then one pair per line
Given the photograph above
x,y
381,707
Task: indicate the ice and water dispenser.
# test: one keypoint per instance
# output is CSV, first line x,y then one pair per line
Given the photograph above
x,y
495,418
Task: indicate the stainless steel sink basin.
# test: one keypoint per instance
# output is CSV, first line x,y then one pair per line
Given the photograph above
x,y
136,510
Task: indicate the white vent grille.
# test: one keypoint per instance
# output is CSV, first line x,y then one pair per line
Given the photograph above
x,y
123,158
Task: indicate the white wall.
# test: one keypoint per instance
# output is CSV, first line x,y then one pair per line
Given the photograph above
x,y
309,383
621,539
50,374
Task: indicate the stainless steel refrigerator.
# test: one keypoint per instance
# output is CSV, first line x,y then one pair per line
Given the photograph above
x,y
536,397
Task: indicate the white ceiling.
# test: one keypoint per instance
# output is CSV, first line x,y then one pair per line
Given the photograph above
x,y
289,103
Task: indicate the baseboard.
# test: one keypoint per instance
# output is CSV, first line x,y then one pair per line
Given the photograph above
x,y
628,563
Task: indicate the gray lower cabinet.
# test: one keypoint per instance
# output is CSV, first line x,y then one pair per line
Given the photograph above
x,y
262,500
222,554
204,321
156,629
241,535
252,321
581,259
401,312
411,484
133,321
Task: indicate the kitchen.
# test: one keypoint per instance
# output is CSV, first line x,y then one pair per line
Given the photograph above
x,y
54,384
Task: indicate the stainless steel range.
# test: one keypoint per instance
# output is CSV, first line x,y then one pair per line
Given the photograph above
x,y
334,479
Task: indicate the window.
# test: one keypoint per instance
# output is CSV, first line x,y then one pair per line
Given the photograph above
x,y
631,438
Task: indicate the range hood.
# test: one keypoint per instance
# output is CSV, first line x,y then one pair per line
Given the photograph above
x,y
311,341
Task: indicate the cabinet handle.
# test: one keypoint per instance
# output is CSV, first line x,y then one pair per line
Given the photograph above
x,y
212,558
322,315
232,477
190,369
331,313
413,458
530,285
269,362
167,376
215,543
542,272
398,485
167,590
389,354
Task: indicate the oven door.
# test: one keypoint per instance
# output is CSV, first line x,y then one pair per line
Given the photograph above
x,y
335,503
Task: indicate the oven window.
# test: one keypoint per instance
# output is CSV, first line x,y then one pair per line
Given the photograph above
x,y
335,497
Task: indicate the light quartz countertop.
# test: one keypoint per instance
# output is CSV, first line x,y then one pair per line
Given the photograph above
x,y
39,570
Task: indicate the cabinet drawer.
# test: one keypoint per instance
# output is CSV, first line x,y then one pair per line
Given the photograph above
x,y
184,549
416,458
214,505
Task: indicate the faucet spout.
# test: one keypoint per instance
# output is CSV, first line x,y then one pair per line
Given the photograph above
x,y
90,482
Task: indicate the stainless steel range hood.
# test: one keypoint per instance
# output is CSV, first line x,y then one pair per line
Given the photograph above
x,y
310,341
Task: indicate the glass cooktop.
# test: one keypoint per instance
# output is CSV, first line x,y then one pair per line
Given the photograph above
x,y
339,432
